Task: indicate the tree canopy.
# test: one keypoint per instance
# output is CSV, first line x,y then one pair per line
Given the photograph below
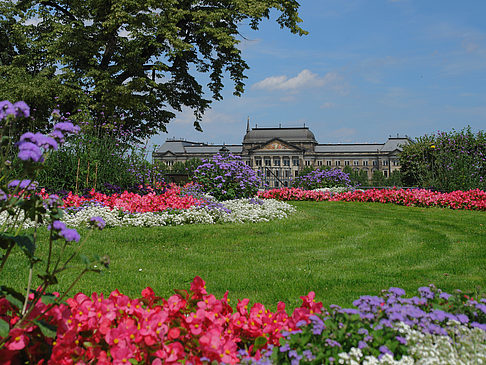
x,y
127,61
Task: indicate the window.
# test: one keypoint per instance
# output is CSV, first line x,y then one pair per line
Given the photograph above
x,y
276,161
396,163
277,173
346,163
385,173
355,162
319,163
286,161
384,162
307,163
375,162
296,173
258,161
365,162
268,173
295,162
268,161
329,163
338,163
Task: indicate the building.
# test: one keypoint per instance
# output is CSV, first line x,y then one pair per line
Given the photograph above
x,y
277,154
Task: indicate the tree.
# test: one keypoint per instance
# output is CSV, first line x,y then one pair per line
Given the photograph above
x,y
128,61
378,179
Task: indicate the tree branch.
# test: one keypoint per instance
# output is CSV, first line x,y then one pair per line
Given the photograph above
x,y
60,8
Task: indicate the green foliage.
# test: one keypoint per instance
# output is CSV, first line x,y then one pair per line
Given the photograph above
x,y
134,60
18,202
378,179
446,161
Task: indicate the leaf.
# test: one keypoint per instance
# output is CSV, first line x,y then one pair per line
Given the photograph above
x,y
25,243
4,328
47,329
48,299
260,342
85,260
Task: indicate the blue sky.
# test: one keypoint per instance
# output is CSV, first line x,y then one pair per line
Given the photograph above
x,y
366,70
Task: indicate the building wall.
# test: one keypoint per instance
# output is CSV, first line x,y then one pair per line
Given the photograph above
x,y
279,164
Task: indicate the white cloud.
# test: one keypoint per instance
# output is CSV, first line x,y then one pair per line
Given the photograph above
x,y
327,105
343,134
304,80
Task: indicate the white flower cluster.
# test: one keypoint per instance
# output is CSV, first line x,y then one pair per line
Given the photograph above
x,y
335,190
462,346
231,211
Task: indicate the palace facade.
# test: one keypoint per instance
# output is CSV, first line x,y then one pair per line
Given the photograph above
x,y
277,154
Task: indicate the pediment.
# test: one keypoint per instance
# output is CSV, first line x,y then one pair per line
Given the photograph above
x,y
167,153
276,144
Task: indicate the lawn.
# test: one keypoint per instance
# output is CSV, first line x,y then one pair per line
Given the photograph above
x,y
340,250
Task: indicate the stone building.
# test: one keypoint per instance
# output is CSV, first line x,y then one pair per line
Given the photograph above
x,y
278,154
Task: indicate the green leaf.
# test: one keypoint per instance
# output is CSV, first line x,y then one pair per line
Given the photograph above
x,y
260,342
48,299
47,329
4,328
14,300
85,260
25,243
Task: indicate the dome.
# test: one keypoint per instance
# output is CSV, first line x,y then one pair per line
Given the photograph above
x,y
291,135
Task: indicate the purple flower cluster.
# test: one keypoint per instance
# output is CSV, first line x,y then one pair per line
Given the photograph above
x,y
18,109
322,179
97,222
226,177
372,325
32,146
69,234
23,184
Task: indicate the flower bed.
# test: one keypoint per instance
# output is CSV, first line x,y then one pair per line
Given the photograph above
x,y
469,200
176,206
195,327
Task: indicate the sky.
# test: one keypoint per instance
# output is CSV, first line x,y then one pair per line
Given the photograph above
x,y
367,69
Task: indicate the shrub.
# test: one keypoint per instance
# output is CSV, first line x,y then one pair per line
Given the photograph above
x,y
322,178
226,177
96,158
446,161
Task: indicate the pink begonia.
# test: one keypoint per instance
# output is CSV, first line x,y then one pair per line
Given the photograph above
x,y
469,200
191,326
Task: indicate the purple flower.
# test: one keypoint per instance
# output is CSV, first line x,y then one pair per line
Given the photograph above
x,y
21,108
97,222
6,108
40,140
30,185
445,296
425,292
70,235
66,127
57,226
402,340
309,356
30,152
385,350
397,291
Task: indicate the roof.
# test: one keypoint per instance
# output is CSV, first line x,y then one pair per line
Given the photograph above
x,y
182,147
343,148
292,135
392,144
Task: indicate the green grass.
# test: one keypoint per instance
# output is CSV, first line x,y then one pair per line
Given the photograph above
x,y
339,250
